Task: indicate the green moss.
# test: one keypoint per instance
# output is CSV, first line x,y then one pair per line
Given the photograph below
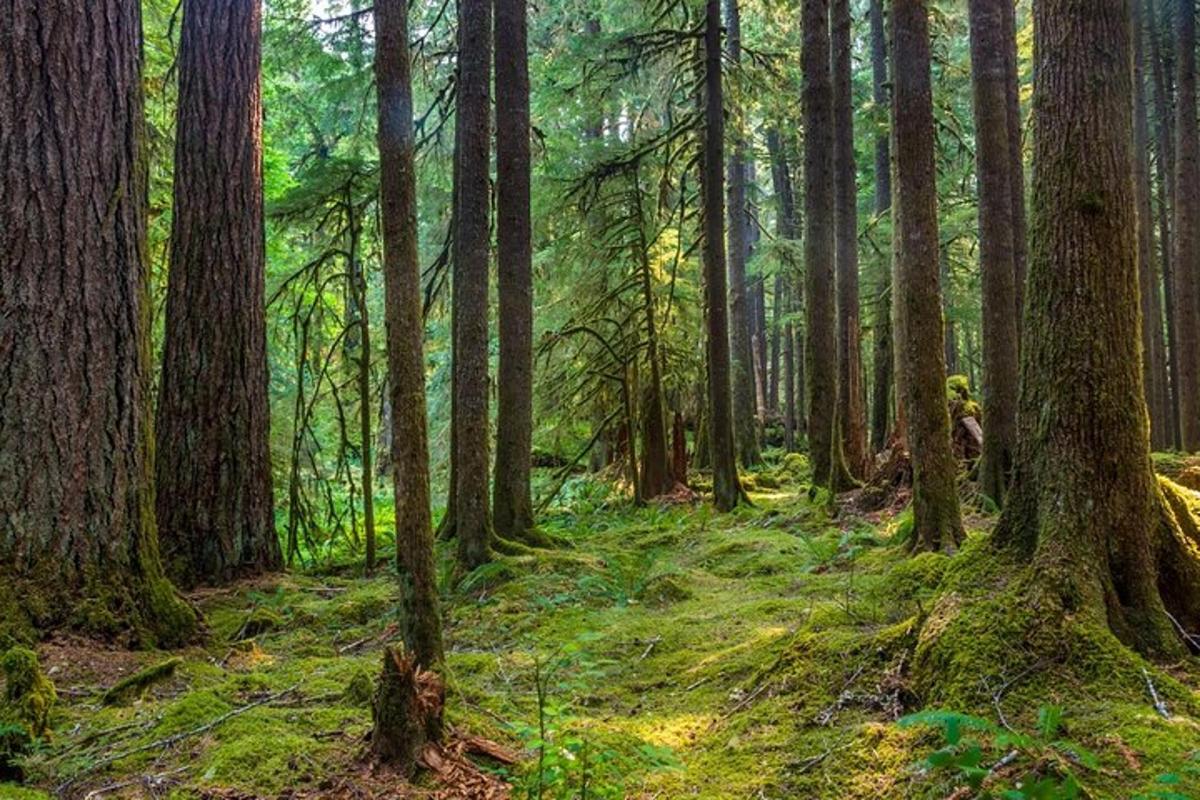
x,y
137,683
360,689
29,696
263,761
10,792
190,711
260,620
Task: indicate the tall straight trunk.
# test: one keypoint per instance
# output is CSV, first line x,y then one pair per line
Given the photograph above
x,y
214,501
362,319
419,616
77,524
1084,505
1016,168
918,319
511,499
851,411
1161,57
1187,226
990,77
740,318
787,229
1154,359
951,333
657,477
881,384
775,341
470,251
727,490
825,452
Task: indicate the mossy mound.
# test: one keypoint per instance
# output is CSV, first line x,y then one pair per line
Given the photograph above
x,y
29,696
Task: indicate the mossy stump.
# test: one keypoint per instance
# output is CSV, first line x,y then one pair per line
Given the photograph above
x,y
407,712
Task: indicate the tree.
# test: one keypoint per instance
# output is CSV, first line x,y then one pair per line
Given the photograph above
x,y
215,508
727,489
851,413
1085,509
511,500
820,350
397,735
78,542
1187,226
786,285
917,303
744,425
471,247
989,78
1016,164
881,387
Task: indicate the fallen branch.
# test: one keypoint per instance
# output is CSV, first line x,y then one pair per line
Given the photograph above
x,y
1159,705
650,647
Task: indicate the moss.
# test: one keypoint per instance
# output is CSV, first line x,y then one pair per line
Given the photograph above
x,y
137,683
10,792
267,761
664,590
260,620
192,710
360,689
29,696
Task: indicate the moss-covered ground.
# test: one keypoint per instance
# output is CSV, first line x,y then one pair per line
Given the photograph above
x,y
664,652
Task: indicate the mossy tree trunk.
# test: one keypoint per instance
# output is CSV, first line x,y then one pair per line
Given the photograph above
x,y
472,523
820,351
1016,155
918,326
1085,506
851,409
215,509
727,489
787,228
78,543
881,386
989,77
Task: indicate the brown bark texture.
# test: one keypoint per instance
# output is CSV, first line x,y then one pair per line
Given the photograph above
x,y
884,360
1187,227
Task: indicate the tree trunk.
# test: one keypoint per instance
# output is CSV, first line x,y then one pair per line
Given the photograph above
x,y
918,319
953,367
215,509
787,229
744,427
656,477
512,501
471,249
824,443
727,490
1154,360
989,77
395,736
1165,170
881,386
358,279
851,413
1187,226
78,543
1084,504
1016,168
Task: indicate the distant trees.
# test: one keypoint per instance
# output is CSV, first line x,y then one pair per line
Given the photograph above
x,y
400,731
78,542
215,508
921,371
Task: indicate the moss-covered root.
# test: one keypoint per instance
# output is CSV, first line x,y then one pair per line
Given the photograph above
x,y
1179,560
407,712
137,683
29,695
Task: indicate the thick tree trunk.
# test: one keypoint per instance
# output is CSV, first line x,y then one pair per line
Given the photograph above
x,y
215,510
511,498
851,413
471,249
744,428
78,543
918,319
1085,504
1187,227
402,726
1016,164
881,385
787,228
990,76
727,490
1154,358
824,443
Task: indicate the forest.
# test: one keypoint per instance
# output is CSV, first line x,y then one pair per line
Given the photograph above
x,y
599,399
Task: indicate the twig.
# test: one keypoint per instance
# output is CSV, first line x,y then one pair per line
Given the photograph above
x,y
1159,705
650,647
1192,639
149,780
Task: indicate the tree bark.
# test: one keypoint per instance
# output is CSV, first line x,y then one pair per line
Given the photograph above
x,y
918,320
727,490
511,498
997,244
215,509
1154,359
744,426
78,543
825,452
1187,226
787,228
881,385
1085,506
656,476
1016,169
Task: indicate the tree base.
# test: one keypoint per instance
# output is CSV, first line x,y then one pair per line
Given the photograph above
x,y
407,712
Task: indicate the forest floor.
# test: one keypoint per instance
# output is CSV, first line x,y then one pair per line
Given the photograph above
x,y
664,652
